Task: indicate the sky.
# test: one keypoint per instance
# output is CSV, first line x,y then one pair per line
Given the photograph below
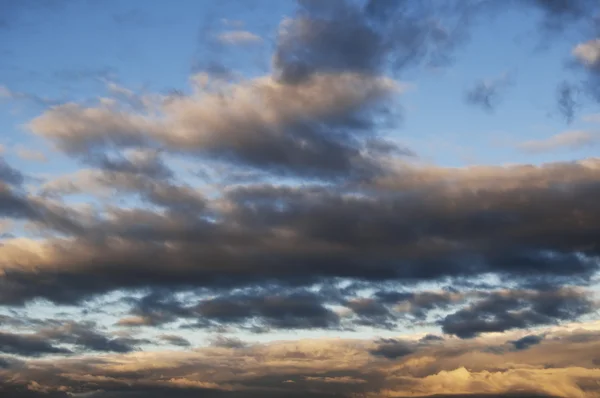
x,y
335,198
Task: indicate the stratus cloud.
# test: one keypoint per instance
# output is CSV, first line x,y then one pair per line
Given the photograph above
x,y
562,365
567,140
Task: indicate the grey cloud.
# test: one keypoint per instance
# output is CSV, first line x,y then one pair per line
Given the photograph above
x,y
487,93
501,311
9,174
526,342
28,345
256,311
431,337
393,349
344,36
568,101
175,340
86,337
323,128
521,229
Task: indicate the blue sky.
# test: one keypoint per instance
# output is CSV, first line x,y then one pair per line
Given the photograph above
x,y
474,214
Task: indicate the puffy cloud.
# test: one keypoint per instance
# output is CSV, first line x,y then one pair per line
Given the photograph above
x,y
588,53
323,127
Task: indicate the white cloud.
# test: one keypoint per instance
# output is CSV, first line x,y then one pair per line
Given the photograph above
x,y
572,140
239,37
588,53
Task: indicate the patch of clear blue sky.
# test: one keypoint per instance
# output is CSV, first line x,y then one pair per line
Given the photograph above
x,y
155,44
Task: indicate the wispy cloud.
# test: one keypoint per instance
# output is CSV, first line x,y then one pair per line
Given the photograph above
x,y
239,37
569,140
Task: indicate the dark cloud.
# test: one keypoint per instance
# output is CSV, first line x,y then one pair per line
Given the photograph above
x,y
256,311
522,228
526,342
393,348
431,337
567,100
175,340
86,337
146,163
501,311
28,345
559,14
346,36
10,175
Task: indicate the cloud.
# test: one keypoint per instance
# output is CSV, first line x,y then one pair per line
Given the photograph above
x,y
310,219
321,128
560,365
238,37
9,174
572,140
12,95
343,36
228,342
393,349
31,155
263,234
588,54
486,93
501,311
526,342
257,311
52,337
28,345
175,340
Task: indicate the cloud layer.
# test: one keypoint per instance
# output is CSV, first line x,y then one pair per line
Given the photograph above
x,y
279,205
